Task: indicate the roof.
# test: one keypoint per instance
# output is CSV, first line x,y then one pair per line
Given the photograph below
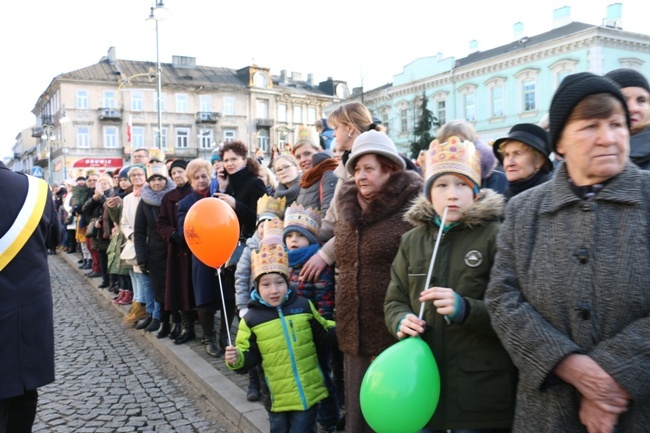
x,y
525,43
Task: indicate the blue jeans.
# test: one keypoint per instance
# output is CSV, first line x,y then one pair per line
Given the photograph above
x,y
301,421
142,290
157,310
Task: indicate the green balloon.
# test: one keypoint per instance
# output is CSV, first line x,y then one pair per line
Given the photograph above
x,y
401,388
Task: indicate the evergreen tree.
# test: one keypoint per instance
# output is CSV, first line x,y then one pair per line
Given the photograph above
x,y
422,130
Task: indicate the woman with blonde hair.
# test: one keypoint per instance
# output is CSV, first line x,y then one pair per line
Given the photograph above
x,y
288,174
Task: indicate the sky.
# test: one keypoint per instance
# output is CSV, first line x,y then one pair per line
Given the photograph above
x,y
364,43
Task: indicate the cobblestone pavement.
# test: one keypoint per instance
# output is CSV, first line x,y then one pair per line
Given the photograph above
x,y
108,377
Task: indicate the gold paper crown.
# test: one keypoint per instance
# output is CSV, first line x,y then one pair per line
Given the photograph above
x,y
307,135
454,157
270,258
309,218
269,207
273,231
156,154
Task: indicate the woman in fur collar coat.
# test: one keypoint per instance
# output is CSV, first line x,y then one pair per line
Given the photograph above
x,y
371,208
477,378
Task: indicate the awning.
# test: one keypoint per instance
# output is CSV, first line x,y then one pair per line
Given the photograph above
x,y
98,163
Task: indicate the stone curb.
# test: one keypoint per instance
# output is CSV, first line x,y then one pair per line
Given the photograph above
x,y
229,398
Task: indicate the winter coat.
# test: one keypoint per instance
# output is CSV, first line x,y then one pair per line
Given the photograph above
x,y
26,315
320,293
179,293
127,223
244,283
319,195
246,188
113,216
150,247
640,148
285,340
93,210
477,378
366,243
204,278
571,276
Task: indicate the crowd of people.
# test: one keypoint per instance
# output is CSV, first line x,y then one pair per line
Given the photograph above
x,y
536,306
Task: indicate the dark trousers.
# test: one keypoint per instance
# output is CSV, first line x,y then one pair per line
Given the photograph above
x,y
17,413
296,421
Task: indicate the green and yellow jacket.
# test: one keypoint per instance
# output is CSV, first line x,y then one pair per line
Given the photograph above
x,y
285,340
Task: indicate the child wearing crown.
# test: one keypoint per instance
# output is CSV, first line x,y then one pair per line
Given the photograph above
x,y
480,378
282,332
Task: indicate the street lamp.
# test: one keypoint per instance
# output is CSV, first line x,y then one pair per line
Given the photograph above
x,y
158,13
47,136
63,120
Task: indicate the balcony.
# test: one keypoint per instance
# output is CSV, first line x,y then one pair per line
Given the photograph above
x,y
47,119
109,114
264,123
207,117
37,131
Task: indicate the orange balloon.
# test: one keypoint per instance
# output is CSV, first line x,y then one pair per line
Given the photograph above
x,y
211,231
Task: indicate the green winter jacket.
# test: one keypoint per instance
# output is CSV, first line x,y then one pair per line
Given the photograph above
x,y
478,379
285,341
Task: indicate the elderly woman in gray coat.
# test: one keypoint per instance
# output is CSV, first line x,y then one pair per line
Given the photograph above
x,y
569,294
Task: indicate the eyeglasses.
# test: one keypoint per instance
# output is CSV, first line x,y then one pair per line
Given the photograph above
x,y
91,180
136,175
283,168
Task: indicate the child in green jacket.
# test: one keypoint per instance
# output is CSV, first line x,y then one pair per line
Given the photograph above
x,y
282,332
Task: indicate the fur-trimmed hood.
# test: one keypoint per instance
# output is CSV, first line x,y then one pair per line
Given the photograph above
x,y
487,207
400,188
154,198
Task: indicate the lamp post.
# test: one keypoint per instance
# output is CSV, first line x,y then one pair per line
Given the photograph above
x,y
158,13
63,120
47,136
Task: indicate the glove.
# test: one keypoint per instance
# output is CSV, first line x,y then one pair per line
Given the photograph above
x,y
144,267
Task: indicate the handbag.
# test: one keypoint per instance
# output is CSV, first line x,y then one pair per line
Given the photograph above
x,y
128,253
236,255
90,228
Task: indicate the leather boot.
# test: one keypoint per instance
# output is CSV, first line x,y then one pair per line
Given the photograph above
x,y
187,328
144,322
88,264
137,312
211,347
253,393
175,330
83,264
127,299
164,329
153,325
119,297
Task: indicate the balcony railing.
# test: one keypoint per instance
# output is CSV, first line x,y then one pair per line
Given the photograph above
x,y
264,123
37,131
109,113
207,117
47,119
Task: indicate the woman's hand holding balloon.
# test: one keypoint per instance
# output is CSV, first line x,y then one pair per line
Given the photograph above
x,y
411,325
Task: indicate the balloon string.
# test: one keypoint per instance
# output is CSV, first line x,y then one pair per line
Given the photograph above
x,y
223,302
433,258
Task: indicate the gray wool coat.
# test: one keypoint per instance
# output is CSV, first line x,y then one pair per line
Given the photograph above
x,y
572,276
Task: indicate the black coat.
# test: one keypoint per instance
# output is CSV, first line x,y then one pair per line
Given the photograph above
x,y
246,188
26,317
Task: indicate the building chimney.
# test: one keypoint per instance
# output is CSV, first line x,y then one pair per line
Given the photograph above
x,y
310,79
614,14
518,30
283,76
473,46
297,76
561,16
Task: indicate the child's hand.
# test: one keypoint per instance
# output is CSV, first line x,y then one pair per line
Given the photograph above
x,y
411,325
231,355
444,299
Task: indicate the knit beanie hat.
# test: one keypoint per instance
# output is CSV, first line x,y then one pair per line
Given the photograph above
x,y
319,157
575,88
140,166
373,142
453,157
304,221
178,163
156,169
488,160
215,155
626,77
124,173
531,135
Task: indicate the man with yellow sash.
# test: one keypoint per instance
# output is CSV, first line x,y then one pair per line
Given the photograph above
x,y
28,227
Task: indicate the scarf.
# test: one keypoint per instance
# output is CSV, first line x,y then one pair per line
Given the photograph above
x,y
515,188
316,173
301,255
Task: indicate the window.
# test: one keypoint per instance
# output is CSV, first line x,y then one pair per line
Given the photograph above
x,y
228,105
181,102
404,120
111,137
182,138
528,95
137,137
82,99
496,96
311,115
229,135
163,103
83,136
260,80
206,137
205,101
109,99
262,108
137,101
297,114
560,76
441,111
469,108
263,140
563,68
163,136
282,112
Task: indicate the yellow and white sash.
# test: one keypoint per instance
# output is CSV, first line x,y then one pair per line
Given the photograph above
x,y
26,221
